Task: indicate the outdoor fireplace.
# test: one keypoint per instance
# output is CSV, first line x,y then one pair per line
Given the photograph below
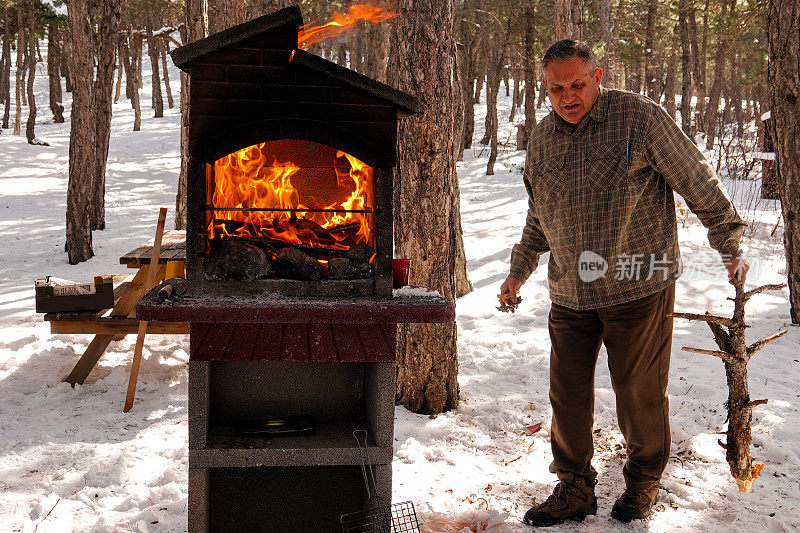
x,y
291,166
288,282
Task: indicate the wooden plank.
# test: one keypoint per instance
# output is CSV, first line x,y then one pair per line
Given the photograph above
x,y
116,326
89,359
127,302
151,282
173,241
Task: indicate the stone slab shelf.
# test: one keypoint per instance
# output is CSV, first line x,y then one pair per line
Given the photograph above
x,y
277,309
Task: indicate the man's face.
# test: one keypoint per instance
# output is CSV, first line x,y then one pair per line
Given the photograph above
x,y
572,88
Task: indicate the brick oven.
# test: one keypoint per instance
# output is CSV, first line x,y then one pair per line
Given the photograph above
x,y
292,164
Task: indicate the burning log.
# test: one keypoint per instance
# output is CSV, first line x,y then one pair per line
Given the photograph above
x,y
344,268
733,350
291,263
237,260
362,252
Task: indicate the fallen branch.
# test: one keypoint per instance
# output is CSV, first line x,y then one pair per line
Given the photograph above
x,y
45,516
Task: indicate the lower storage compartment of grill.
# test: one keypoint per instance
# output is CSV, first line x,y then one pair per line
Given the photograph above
x,y
281,499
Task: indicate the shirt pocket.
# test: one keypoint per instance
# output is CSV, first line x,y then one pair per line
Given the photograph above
x,y
550,185
606,166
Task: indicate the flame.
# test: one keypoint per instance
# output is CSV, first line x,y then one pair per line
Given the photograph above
x,y
341,22
247,180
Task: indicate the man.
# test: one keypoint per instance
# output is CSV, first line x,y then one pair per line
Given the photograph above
x,y
600,176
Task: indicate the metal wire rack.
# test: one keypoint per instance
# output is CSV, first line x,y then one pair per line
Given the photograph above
x,y
395,518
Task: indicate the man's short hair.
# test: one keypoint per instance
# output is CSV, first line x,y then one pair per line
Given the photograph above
x,y
568,49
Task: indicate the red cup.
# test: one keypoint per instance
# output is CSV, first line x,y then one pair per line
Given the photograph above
x,y
400,268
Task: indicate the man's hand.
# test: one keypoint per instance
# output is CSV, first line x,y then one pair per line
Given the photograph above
x,y
737,268
510,286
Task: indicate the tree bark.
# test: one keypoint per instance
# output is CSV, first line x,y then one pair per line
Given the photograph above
x,y
18,84
425,189
120,68
530,73
131,83
783,25
684,9
108,16
81,145
30,40
669,84
5,89
495,60
65,66
194,29
222,14
5,76
563,24
163,49
152,52
53,74
652,82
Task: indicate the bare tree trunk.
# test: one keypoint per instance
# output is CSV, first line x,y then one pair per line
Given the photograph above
x,y
669,84
120,68
494,72
65,66
194,29
651,77
82,150
605,36
53,74
530,73
131,84
163,50
30,28
563,24
702,62
684,7
425,224
152,51
783,24
18,85
108,23
222,14
6,88
712,111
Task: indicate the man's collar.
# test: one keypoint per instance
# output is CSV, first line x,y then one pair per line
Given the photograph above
x,y
597,112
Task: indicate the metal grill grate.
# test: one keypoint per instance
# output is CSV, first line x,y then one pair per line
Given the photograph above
x,y
395,518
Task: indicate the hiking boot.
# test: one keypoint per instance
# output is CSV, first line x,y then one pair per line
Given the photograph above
x,y
634,504
573,498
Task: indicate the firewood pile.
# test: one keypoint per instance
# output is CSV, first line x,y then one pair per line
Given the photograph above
x,y
243,259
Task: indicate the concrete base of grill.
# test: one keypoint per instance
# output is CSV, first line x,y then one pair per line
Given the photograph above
x,y
288,483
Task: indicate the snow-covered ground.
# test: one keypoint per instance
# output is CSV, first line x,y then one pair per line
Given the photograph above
x,y
70,460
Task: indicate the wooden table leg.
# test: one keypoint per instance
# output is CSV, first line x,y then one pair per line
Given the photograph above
x,y
152,280
125,306
89,359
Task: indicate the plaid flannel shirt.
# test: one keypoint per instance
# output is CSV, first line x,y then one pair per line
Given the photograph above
x,y
601,202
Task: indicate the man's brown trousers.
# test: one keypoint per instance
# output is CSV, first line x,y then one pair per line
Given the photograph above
x,y
638,338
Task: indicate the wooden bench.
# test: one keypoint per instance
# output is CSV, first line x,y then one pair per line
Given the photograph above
x,y
108,326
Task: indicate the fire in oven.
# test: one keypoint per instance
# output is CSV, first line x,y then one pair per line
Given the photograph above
x,y
289,209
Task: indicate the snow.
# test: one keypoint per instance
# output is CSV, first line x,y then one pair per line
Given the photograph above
x,y
70,460
766,116
764,156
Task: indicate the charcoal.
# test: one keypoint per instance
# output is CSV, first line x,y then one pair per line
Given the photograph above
x,y
343,268
361,252
291,263
233,260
